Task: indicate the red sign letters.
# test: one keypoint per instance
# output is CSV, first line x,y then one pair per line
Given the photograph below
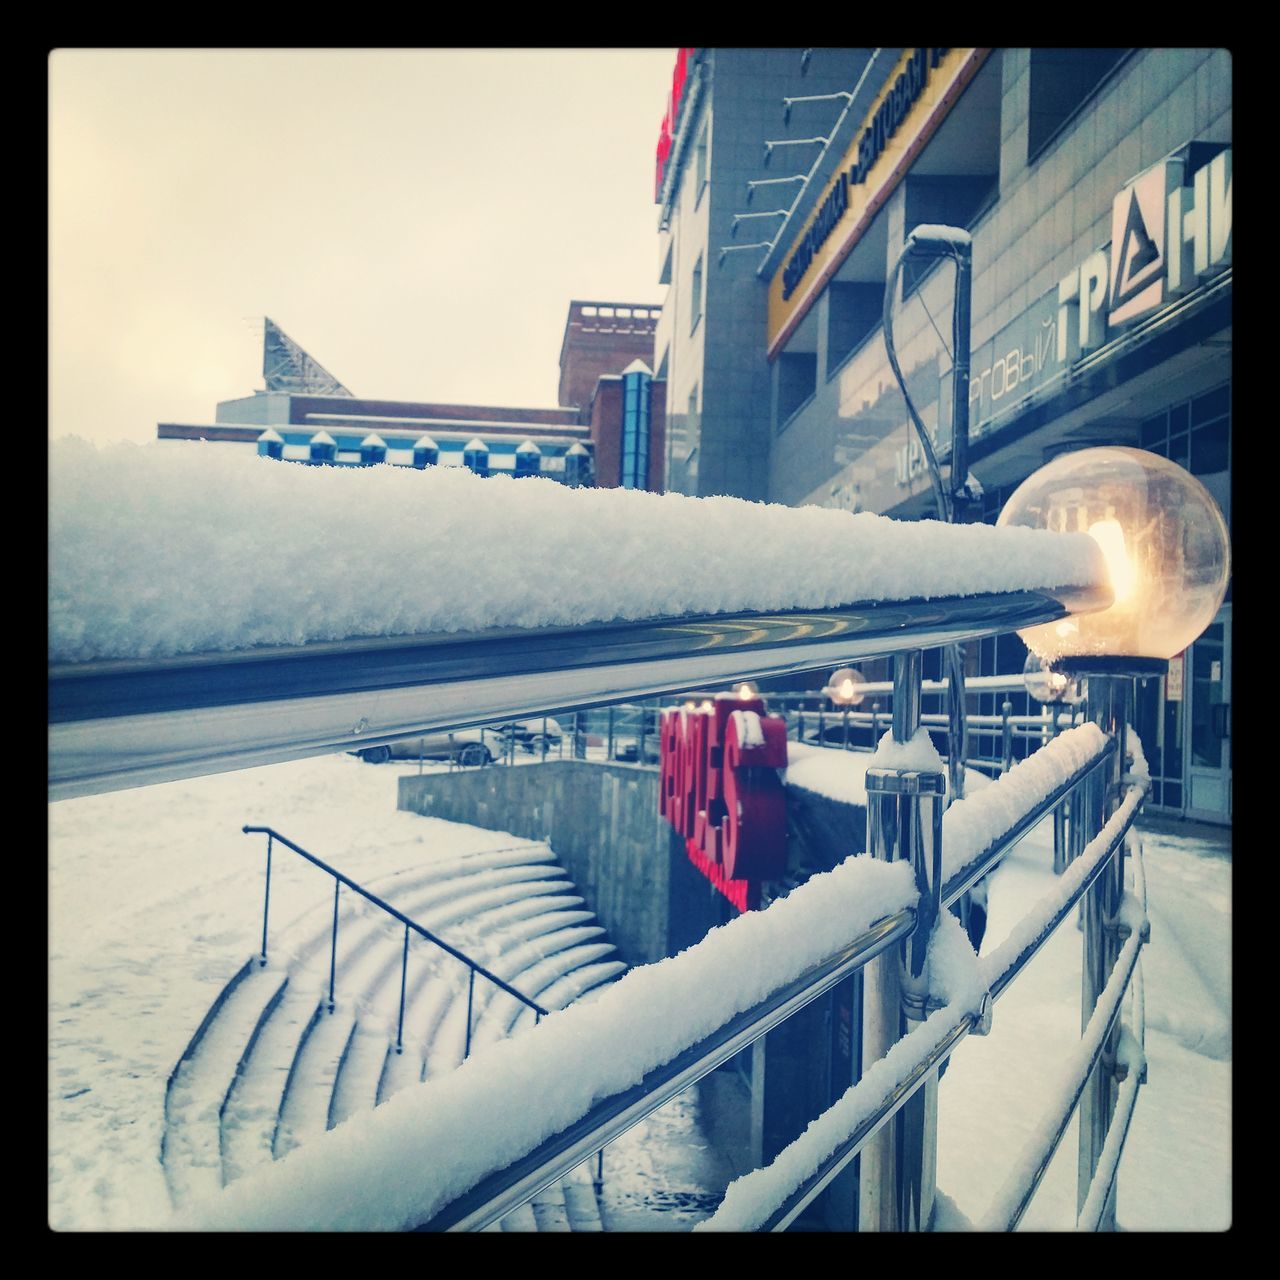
x,y
719,788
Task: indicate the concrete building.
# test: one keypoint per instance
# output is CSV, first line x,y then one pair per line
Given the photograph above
x,y
1096,186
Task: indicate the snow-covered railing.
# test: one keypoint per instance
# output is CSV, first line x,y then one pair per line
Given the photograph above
x,y
894,1192
210,610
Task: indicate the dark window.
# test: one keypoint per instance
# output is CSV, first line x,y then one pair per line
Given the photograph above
x,y
1061,80
854,312
797,381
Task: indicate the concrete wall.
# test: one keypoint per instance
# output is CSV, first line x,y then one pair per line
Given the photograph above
x,y
601,820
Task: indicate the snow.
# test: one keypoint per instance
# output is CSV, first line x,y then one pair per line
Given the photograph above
x,y
155,900
974,824
917,755
747,725
1176,1170
1067,1080
842,775
157,551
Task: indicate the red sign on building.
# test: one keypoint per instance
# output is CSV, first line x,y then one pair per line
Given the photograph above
x,y
719,788
666,134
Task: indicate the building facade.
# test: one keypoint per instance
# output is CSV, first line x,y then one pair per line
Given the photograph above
x,y
1096,186
304,414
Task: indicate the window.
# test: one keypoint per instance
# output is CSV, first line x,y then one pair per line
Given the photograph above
x,y
695,301
700,165
1061,79
797,375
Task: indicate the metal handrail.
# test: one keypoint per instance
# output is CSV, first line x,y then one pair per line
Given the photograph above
x,y
340,879
896,1095
986,861
130,723
508,1188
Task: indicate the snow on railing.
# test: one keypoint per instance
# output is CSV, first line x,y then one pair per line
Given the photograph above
x,y
161,549
772,1197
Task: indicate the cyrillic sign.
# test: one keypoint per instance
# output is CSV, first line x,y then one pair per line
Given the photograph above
x,y
918,93
1167,238
719,788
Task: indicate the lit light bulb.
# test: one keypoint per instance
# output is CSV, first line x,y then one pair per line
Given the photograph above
x,y
1162,538
706,705
845,686
1110,537
746,691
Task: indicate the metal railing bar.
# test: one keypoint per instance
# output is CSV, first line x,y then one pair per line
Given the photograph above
x,y
891,1101
507,1189
1001,966
976,868
127,723
1131,1058
811,1187
1016,1194
271,833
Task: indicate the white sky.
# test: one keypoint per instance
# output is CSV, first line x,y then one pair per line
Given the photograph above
x,y
418,220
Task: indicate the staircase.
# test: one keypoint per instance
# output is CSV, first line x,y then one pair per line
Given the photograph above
x,y
270,1066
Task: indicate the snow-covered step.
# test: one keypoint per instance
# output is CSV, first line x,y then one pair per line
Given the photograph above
x,y
357,1083
251,1110
309,1098
192,1153
549,1211
520,1219
580,1201
573,986
450,1041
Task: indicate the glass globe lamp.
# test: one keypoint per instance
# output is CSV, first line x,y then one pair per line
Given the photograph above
x,y
845,687
1166,549
1050,687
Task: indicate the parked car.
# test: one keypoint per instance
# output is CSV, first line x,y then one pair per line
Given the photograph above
x,y
469,747
465,747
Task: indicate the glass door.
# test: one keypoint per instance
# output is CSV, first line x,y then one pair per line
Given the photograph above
x,y
1209,691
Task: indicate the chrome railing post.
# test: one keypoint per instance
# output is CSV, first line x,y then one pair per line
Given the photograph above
x,y
1006,734
904,822
1100,908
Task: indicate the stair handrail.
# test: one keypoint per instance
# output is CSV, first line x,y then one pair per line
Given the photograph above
x,y
340,879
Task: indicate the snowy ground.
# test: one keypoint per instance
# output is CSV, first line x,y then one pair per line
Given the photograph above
x,y
156,898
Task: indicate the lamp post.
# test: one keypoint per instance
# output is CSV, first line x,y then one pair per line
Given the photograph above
x,y
1167,553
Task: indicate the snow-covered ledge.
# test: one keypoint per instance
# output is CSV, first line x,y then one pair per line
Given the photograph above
x,y
212,610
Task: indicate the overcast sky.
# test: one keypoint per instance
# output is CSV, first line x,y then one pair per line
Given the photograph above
x,y
417,220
